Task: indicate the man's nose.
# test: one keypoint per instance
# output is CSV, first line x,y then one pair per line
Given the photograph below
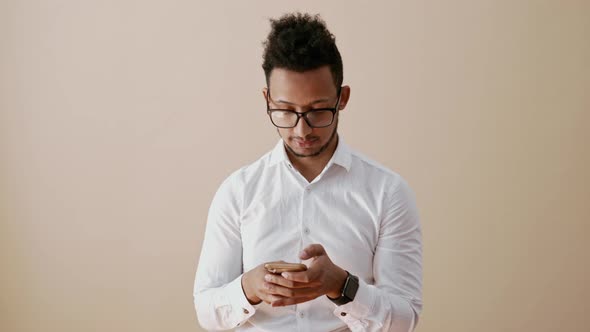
x,y
302,129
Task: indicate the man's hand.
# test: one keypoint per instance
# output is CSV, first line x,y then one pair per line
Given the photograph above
x,y
322,277
256,288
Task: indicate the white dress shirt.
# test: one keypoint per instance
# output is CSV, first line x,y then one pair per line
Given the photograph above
x,y
361,212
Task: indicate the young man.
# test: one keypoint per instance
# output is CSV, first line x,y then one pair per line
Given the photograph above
x,y
311,199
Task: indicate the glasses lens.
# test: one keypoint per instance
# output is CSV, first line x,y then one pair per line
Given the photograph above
x,y
320,118
283,118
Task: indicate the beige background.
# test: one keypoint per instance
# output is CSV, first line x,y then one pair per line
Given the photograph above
x,y
119,119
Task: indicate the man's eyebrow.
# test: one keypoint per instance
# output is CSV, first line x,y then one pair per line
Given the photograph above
x,y
323,100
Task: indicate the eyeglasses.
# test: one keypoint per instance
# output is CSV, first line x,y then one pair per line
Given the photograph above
x,y
315,118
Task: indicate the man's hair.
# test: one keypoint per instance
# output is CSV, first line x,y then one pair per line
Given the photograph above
x,y
301,42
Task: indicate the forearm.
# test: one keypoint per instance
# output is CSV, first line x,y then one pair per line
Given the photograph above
x,y
222,308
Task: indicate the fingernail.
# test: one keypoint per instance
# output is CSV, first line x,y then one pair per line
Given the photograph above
x,y
267,277
285,275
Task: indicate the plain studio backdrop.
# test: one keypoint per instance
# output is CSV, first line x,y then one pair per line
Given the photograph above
x,y
119,120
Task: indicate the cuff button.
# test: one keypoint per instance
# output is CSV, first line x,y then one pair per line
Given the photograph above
x,y
246,311
342,314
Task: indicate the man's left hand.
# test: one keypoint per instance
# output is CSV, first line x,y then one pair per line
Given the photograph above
x,y
321,278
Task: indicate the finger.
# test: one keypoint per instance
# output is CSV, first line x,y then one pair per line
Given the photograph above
x,y
291,300
279,280
312,250
285,292
275,289
307,277
270,298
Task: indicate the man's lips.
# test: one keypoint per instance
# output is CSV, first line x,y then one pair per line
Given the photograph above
x,y
305,143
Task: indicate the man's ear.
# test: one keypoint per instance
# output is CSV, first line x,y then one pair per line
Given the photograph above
x,y
344,97
265,93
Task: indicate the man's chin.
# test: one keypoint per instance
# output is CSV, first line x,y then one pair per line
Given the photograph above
x,y
305,153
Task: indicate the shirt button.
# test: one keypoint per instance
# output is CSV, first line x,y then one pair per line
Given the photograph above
x,y
342,314
301,315
306,231
246,311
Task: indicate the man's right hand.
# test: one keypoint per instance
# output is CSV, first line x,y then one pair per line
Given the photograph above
x,y
256,288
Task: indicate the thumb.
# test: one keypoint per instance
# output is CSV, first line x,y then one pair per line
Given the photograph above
x,y
312,250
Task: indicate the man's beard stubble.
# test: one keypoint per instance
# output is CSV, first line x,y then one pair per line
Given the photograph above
x,y
321,149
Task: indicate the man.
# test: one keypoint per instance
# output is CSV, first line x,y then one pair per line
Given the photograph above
x,y
311,199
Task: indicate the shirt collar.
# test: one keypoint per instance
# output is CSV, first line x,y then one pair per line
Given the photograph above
x,y
279,154
342,156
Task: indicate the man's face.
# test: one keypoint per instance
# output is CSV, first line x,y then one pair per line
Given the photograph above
x,y
302,92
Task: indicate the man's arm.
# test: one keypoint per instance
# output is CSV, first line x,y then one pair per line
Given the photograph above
x,y
394,302
219,300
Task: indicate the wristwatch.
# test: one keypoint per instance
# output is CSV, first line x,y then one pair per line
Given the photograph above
x,y
351,285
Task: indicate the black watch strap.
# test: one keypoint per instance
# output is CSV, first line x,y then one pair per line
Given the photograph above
x,y
351,285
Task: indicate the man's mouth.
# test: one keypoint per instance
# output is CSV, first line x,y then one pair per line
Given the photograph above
x,y
305,143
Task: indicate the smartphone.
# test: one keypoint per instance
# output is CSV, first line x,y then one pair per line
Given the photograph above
x,y
284,267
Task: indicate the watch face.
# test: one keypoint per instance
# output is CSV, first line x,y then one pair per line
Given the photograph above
x,y
351,287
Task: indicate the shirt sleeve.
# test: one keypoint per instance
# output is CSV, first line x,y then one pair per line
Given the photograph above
x,y
394,301
219,299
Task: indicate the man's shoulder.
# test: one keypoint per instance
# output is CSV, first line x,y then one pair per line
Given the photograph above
x,y
370,167
380,177
249,171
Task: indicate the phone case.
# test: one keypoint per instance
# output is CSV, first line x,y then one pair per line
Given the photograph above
x,y
284,267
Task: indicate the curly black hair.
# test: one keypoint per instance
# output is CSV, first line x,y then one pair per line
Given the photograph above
x,y
301,42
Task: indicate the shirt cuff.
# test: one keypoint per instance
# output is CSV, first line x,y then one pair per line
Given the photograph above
x,y
242,310
354,311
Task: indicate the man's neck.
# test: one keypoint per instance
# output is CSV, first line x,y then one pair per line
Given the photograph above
x,y
311,167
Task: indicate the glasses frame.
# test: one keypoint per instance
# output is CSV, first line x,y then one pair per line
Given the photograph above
x,y
302,114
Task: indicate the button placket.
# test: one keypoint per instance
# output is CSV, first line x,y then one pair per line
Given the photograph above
x,y
306,211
